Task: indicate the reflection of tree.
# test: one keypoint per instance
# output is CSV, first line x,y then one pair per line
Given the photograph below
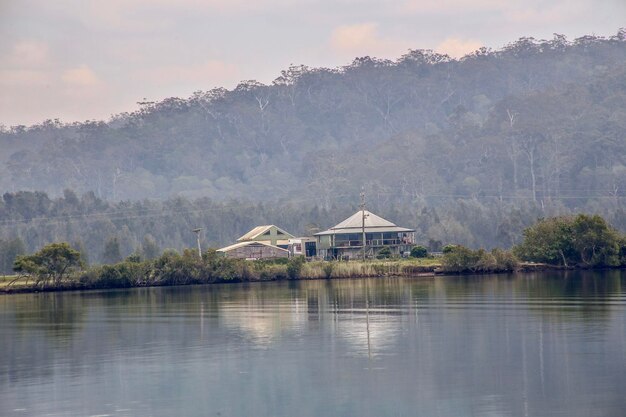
x,y
35,327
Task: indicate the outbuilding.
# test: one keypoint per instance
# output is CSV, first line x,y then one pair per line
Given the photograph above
x,y
254,250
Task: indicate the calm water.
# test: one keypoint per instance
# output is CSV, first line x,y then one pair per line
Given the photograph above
x,y
531,345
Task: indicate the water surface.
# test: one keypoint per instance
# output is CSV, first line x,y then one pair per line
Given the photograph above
x,y
526,345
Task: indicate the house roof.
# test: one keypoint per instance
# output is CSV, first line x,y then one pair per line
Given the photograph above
x,y
259,230
248,243
373,223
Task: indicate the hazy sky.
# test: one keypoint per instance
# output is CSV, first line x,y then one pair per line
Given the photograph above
x,y
81,59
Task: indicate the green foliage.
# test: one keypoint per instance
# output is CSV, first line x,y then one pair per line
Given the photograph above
x,y
294,267
449,248
50,265
571,240
419,251
384,253
461,259
133,258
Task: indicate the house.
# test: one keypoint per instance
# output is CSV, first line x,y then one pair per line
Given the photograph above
x,y
254,250
303,246
345,240
270,234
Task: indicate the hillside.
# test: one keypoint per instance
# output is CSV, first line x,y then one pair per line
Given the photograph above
x,y
535,119
465,151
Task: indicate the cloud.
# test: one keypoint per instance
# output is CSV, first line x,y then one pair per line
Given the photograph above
x,y
28,54
458,48
81,77
364,39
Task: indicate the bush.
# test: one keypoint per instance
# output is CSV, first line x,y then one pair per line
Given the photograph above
x,y
462,259
506,260
448,248
384,253
419,252
294,267
459,259
328,270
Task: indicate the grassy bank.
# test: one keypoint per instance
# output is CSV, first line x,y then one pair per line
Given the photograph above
x,y
187,268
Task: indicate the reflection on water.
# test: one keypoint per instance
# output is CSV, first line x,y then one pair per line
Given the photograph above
x,y
529,345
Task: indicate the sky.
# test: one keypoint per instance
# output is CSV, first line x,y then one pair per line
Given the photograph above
x,y
79,60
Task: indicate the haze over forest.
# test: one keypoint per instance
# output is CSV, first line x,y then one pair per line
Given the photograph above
x,y
466,151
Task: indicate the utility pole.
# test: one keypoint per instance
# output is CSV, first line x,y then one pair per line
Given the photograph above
x,y
197,232
362,206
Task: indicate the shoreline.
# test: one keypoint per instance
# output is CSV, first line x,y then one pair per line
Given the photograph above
x,y
423,272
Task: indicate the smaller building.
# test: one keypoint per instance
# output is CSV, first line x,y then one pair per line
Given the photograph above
x,y
254,250
303,246
269,234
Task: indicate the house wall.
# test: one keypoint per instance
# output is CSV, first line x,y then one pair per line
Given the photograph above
x,y
256,252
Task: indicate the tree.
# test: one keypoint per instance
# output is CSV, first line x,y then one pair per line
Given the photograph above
x,y
9,251
567,240
111,254
597,243
149,249
51,264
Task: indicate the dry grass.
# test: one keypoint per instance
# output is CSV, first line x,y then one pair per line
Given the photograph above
x,y
355,269
6,280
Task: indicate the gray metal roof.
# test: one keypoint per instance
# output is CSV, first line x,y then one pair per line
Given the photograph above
x,y
373,224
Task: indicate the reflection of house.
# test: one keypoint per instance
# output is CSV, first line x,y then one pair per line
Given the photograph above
x,y
303,246
268,234
254,250
346,238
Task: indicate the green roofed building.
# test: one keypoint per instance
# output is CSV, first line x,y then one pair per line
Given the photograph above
x,y
269,234
345,240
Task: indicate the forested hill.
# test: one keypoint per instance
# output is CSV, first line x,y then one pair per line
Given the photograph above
x,y
539,121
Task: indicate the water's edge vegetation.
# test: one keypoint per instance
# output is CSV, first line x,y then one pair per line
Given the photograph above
x,y
567,242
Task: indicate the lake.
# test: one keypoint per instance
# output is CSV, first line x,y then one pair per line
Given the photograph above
x,y
509,345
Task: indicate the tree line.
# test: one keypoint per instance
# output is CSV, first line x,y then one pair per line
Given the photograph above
x,y
107,232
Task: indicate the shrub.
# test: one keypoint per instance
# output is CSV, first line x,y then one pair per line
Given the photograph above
x,y
294,267
506,260
384,253
328,270
419,251
448,248
459,259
